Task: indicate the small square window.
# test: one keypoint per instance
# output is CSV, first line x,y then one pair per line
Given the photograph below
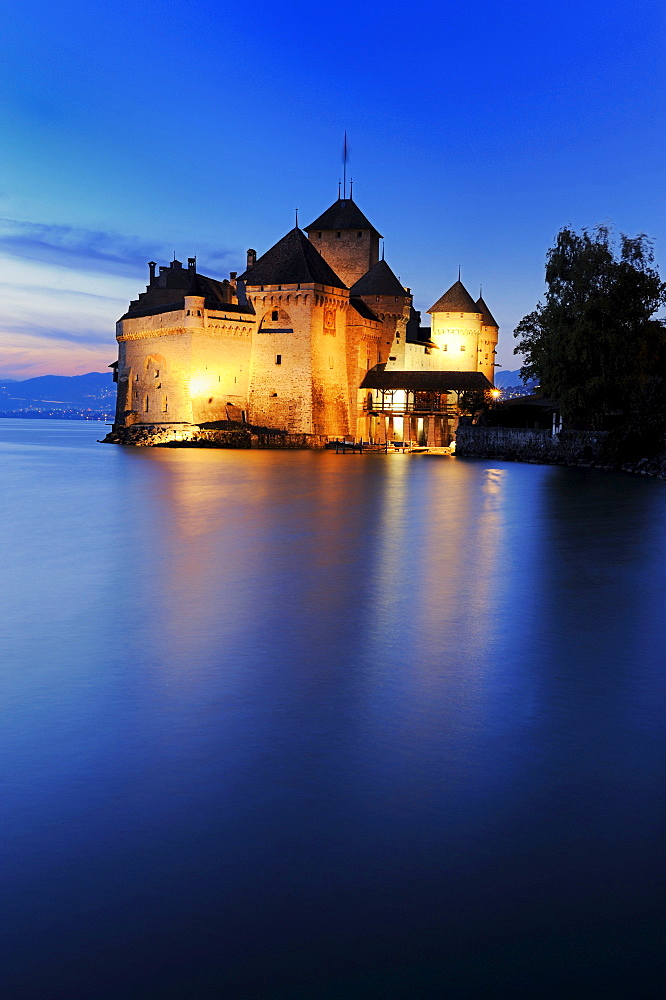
x,y
462,347
337,236
274,315
278,359
358,236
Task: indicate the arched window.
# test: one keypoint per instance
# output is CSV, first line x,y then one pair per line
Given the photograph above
x,y
276,321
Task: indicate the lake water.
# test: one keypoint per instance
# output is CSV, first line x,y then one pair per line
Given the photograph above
x,y
301,726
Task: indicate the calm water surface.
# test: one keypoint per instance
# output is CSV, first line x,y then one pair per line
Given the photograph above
x,y
318,727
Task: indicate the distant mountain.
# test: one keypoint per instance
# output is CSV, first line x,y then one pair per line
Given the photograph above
x,y
49,394
505,379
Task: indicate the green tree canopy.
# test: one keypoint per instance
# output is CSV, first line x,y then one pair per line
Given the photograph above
x,y
594,344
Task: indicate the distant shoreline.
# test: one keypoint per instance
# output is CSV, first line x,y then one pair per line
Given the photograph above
x,y
55,415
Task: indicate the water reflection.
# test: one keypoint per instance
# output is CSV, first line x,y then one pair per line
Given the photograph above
x,y
288,722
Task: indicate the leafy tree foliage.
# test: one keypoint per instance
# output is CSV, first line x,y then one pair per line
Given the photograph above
x,y
594,343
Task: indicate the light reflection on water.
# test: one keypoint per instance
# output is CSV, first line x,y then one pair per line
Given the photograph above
x,y
306,726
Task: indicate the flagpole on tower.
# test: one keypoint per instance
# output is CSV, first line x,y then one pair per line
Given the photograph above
x,y
345,153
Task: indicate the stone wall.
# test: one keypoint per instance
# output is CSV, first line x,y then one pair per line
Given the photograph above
x,y
350,252
517,444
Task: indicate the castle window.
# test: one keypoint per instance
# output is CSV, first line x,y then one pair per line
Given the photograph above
x,y
136,378
337,236
166,404
156,373
462,347
446,347
318,235
198,312
147,403
275,315
358,236
188,312
278,359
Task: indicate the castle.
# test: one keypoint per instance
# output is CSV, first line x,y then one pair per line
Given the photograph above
x,y
317,338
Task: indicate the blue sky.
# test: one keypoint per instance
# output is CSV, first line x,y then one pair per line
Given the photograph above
x,y
133,130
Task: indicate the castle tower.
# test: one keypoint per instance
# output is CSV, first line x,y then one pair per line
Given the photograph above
x,y
390,302
346,240
487,341
456,329
299,377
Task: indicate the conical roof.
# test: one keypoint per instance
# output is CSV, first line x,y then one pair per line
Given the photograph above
x,y
456,299
293,260
343,214
379,280
195,286
487,317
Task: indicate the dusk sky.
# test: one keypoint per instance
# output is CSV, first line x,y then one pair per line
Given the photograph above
x,y
476,130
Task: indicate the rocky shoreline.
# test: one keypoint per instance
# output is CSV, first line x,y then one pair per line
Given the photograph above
x,y
223,435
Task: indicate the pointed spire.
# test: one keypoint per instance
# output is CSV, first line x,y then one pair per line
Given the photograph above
x,y
351,188
296,218
458,272
383,246
339,188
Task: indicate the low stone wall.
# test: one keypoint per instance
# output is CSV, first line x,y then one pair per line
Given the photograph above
x,y
190,436
514,444
517,444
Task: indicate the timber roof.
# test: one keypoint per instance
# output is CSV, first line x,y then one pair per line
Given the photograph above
x,y
167,293
343,214
379,280
487,317
292,261
424,381
456,299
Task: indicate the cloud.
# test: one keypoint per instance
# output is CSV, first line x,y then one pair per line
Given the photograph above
x,y
45,331
25,355
94,250
74,248
62,290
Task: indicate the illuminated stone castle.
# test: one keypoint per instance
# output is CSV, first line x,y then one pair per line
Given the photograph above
x,y
316,337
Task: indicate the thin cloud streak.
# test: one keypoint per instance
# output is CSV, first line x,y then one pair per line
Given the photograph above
x,y
99,251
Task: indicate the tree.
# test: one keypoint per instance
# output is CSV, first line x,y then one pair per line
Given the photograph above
x,y
594,344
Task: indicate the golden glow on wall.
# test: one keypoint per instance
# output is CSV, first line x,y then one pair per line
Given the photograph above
x,y
202,383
